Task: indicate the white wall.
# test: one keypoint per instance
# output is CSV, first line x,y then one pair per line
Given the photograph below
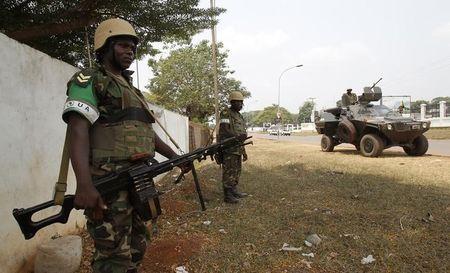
x,y
439,122
32,94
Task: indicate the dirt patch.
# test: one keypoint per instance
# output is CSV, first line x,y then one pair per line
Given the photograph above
x,y
173,207
165,254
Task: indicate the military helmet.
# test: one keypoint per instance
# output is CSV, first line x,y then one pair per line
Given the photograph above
x,y
236,95
110,28
349,89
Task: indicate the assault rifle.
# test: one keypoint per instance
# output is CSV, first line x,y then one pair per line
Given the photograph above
x,y
136,179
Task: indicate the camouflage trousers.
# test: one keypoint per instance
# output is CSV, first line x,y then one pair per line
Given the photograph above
x,y
231,170
120,239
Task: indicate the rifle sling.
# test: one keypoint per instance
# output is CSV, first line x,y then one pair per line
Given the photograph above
x,y
61,185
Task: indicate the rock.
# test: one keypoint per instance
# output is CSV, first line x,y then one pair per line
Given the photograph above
x,y
314,239
308,244
181,269
207,223
367,260
287,247
311,255
59,255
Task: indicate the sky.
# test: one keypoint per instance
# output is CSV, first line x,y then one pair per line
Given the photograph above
x,y
340,43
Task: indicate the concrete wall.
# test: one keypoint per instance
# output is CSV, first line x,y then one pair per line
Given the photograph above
x,y
32,94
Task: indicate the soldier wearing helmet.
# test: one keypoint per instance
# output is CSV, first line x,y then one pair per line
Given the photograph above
x,y
232,124
109,123
349,98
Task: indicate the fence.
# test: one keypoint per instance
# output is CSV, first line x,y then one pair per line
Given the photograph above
x,y
199,136
32,95
432,110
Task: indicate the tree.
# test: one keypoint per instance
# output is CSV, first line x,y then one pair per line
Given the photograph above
x,y
269,115
184,81
304,113
59,27
415,105
249,117
439,99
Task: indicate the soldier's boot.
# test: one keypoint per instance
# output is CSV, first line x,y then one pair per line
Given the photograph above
x,y
237,193
229,197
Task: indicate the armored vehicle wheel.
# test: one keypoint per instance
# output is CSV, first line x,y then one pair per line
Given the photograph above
x,y
420,144
346,131
327,144
371,145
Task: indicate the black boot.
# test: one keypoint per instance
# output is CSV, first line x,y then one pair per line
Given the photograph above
x,y
237,193
229,197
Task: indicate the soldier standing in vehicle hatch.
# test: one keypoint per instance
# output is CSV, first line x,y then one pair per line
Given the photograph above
x,y
349,98
232,124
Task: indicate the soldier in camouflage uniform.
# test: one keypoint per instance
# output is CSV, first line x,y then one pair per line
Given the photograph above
x,y
349,98
232,124
108,124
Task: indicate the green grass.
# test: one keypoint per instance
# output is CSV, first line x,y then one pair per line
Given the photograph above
x,y
297,190
438,133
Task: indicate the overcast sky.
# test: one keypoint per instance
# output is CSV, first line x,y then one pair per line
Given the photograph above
x,y
341,44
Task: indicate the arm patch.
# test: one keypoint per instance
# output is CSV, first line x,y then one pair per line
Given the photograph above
x,y
81,100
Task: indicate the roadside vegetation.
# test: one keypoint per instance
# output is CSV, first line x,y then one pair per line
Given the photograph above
x,y
438,133
395,207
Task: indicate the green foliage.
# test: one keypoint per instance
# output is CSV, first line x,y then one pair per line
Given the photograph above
x,y
59,28
304,113
269,115
415,105
250,116
439,99
184,81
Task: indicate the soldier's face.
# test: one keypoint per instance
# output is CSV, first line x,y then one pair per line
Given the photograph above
x,y
124,52
237,105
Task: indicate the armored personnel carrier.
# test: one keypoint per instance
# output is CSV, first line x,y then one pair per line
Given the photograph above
x,y
371,128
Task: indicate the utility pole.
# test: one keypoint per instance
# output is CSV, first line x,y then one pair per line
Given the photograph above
x,y
313,109
214,61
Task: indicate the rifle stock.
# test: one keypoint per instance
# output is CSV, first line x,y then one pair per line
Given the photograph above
x,y
137,179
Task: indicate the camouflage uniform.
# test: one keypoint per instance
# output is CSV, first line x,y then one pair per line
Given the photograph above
x,y
349,99
120,128
232,158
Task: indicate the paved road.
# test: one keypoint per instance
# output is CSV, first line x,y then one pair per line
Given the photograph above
x,y
436,147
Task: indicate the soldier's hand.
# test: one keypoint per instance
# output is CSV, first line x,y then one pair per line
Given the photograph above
x,y
244,157
88,198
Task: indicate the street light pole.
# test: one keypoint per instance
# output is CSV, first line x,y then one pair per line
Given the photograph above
x,y
279,89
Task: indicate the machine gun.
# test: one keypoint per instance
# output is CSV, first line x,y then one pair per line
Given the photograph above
x,y
372,93
137,179
373,85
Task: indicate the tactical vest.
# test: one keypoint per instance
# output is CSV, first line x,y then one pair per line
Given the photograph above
x,y
237,126
124,127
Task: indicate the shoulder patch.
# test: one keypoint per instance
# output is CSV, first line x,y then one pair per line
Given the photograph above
x,y
84,77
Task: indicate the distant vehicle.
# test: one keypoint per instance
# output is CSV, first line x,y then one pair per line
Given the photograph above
x,y
275,130
371,128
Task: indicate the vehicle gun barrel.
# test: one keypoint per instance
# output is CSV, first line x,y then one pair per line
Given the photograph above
x,y
376,83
